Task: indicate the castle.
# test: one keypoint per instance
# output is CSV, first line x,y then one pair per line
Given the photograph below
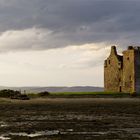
x,y
122,72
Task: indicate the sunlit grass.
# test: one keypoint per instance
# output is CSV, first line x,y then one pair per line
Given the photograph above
x,y
90,93
82,94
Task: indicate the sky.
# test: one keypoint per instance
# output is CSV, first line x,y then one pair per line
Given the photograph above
x,y
63,42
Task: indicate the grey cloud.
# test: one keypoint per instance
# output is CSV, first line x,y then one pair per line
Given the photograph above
x,y
74,21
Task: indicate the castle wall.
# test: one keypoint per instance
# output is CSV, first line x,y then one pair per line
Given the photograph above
x,y
122,73
137,71
128,71
112,72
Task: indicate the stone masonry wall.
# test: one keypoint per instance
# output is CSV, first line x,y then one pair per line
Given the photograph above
x,y
137,71
112,72
128,71
122,73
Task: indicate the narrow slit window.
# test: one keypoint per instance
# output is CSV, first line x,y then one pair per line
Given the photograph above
x,y
119,79
130,77
120,89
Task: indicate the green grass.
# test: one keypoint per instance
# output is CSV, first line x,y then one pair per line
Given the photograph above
x,y
32,95
89,93
81,94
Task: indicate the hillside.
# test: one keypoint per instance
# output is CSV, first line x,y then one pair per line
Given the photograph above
x,y
55,89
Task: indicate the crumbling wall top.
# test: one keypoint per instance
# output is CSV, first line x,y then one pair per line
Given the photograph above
x,y
113,50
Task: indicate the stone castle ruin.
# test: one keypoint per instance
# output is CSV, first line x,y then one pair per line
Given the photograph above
x,y
122,72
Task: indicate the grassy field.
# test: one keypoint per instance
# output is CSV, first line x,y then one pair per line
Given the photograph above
x,y
83,94
89,94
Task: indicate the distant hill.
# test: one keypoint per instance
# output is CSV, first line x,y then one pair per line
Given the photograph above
x,y
56,89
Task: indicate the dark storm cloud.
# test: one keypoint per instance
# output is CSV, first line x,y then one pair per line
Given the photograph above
x,y
75,21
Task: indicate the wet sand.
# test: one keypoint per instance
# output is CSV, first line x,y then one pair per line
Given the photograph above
x,y
70,119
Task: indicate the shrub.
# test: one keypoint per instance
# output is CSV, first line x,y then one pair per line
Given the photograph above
x,y
8,93
44,93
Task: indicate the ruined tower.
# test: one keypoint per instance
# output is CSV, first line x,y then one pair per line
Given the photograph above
x,y
122,72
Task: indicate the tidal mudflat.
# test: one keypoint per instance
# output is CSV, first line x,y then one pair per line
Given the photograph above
x,y
70,119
